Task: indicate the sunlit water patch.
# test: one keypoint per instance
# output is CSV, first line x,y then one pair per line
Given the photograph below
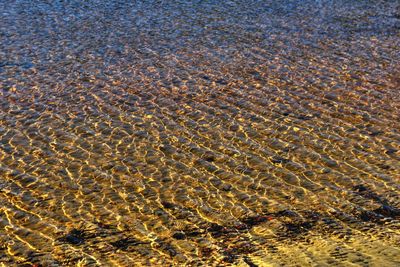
x,y
199,133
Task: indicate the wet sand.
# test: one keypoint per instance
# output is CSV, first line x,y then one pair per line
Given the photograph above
x,y
199,133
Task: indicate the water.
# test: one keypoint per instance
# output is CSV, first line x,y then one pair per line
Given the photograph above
x,y
199,133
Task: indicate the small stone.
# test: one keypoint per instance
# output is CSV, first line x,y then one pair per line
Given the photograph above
x,y
226,187
179,235
331,96
167,205
279,160
209,156
75,237
360,188
391,151
388,211
234,128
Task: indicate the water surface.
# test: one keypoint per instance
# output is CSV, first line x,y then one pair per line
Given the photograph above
x,y
199,133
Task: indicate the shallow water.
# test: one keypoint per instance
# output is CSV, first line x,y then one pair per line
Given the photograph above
x,y
199,133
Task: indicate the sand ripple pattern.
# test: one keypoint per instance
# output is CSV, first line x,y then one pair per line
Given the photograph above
x,y
199,133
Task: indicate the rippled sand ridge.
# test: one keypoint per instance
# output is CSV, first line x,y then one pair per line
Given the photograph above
x,y
199,133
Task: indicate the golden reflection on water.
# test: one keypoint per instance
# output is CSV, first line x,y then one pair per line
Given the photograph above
x,y
161,148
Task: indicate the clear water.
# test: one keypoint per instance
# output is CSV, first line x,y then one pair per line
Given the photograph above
x,y
199,133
